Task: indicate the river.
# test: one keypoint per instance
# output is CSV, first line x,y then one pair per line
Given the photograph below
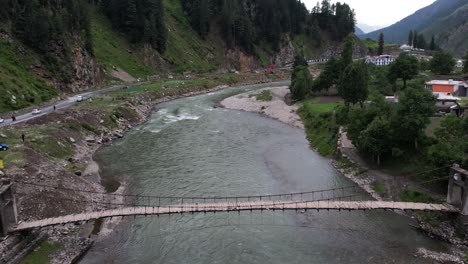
x,y
190,148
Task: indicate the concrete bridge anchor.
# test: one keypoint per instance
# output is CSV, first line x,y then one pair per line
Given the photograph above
x,y
457,195
8,211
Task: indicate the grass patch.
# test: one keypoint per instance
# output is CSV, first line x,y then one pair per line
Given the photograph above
x,y
413,196
91,128
111,48
350,167
321,126
265,96
431,218
19,86
43,254
324,107
378,187
185,48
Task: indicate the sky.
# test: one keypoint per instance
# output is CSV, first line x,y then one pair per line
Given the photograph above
x,y
380,12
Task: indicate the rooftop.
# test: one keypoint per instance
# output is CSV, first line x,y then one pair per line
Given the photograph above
x,y
445,82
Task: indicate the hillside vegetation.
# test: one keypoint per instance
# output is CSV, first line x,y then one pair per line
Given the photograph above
x,y
50,47
451,32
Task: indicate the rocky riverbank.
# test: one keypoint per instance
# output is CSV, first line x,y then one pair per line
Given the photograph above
x,y
57,156
273,106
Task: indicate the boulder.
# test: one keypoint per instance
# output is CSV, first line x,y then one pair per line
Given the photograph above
x,y
90,140
3,136
72,140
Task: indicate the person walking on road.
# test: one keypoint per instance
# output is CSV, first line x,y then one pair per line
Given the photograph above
x,y
55,107
13,118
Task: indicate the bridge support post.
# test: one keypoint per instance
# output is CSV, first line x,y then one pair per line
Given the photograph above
x,y
457,194
8,211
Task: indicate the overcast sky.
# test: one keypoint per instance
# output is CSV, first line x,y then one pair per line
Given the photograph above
x,y
380,12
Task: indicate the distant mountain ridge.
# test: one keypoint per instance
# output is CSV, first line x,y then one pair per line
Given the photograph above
x,y
358,31
430,20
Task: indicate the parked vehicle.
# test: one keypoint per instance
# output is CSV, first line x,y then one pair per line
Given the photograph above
x,y
79,98
36,111
3,147
1,120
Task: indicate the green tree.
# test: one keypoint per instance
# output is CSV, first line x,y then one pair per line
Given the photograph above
x,y
442,63
381,44
414,110
421,42
329,77
465,63
376,139
301,83
452,142
353,86
410,38
347,53
433,45
405,67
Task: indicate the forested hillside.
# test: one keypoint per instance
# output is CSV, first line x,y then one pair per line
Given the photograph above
x,y
55,46
435,19
451,32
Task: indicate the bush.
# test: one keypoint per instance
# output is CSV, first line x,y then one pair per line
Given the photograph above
x,y
413,196
91,128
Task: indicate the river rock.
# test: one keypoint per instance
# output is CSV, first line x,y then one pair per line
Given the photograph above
x,y
78,173
90,140
118,134
72,140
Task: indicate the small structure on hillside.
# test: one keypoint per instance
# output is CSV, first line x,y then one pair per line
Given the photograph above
x,y
381,60
448,87
406,47
459,64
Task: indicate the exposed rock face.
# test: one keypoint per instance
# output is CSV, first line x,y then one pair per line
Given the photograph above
x,y
151,57
239,60
86,72
286,53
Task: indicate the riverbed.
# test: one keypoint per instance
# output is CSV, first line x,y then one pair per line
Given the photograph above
x,y
190,148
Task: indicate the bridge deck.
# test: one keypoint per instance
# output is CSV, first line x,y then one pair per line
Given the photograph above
x,y
240,206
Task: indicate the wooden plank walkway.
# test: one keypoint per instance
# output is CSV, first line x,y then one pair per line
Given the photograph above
x,y
240,206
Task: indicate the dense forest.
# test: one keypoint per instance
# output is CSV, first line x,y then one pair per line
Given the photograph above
x,y
141,20
47,26
248,22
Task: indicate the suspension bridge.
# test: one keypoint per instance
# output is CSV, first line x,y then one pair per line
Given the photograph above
x,y
349,198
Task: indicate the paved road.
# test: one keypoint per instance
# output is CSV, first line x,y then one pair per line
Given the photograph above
x,y
65,104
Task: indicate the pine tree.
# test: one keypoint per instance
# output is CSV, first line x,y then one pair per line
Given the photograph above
x,y
421,41
410,38
433,45
347,54
465,63
381,44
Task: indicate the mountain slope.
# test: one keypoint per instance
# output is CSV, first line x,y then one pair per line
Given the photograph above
x,y
420,20
451,32
358,31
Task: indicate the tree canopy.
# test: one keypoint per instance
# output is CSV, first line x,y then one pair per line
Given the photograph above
x,y
405,67
381,44
141,20
465,63
442,63
301,83
248,22
353,86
